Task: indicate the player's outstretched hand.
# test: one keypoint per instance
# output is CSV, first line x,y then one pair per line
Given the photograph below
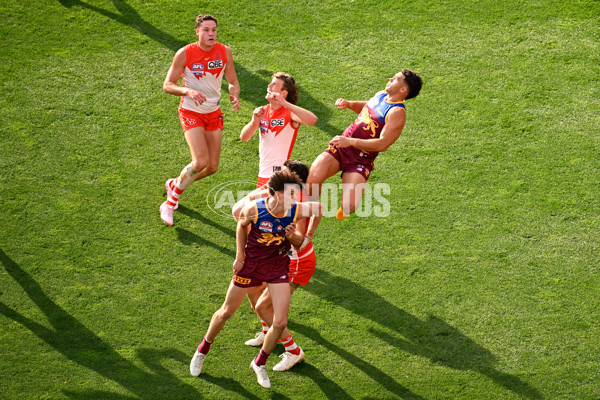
x,y
342,103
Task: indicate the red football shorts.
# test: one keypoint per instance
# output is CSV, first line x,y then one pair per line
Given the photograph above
x,y
210,122
302,269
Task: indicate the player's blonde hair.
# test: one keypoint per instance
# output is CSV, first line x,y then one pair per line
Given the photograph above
x,y
204,17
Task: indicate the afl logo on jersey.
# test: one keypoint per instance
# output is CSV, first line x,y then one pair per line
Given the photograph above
x,y
266,226
215,64
198,70
277,122
264,125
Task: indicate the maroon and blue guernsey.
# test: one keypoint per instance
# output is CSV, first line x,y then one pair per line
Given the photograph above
x,y
267,247
370,123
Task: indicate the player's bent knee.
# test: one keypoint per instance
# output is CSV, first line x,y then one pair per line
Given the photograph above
x,y
211,169
280,324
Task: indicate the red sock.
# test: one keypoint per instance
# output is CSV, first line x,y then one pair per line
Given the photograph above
x,y
173,199
204,346
261,359
265,327
290,345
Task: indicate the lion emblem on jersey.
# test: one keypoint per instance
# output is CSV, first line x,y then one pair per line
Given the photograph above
x,y
268,239
365,118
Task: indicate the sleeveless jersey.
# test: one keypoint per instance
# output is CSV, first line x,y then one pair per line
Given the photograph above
x,y
267,247
203,72
370,123
277,139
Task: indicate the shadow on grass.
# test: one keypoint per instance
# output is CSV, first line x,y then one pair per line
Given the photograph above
x,y
332,390
196,215
186,237
79,344
432,338
254,86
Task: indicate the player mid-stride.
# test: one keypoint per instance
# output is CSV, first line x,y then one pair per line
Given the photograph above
x,y
262,256
202,65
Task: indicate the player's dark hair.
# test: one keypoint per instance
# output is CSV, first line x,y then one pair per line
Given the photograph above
x,y
204,17
414,82
279,179
298,167
289,84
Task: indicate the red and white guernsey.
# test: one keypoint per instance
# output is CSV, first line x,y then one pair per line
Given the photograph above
x,y
277,138
203,72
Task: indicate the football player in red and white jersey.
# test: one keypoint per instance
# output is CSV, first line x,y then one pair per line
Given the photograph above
x,y
278,122
201,65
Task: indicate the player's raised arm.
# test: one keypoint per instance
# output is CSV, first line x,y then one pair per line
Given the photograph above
x,y
355,106
252,126
391,132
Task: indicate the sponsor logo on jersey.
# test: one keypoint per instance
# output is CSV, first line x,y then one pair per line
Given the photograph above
x,y
215,64
277,122
266,226
279,227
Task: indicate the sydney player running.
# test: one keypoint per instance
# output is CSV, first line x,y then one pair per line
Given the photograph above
x,y
278,122
202,65
262,256
379,124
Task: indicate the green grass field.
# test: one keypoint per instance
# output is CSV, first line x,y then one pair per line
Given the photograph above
x,y
482,283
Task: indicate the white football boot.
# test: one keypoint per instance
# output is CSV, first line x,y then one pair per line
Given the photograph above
x,y
196,363
288,360
257,341
261,375
166,213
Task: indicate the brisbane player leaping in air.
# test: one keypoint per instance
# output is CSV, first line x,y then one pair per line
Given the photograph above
x,y
379,124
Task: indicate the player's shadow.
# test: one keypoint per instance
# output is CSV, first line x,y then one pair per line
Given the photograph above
x,y
431,338
206,221
79,344
332,390
254,86
187,238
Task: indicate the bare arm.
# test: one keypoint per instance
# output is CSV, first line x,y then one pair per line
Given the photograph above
x,y
171,85
294,235
253,125
246,217
253,195
299,115
234,85
355,106
390,133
